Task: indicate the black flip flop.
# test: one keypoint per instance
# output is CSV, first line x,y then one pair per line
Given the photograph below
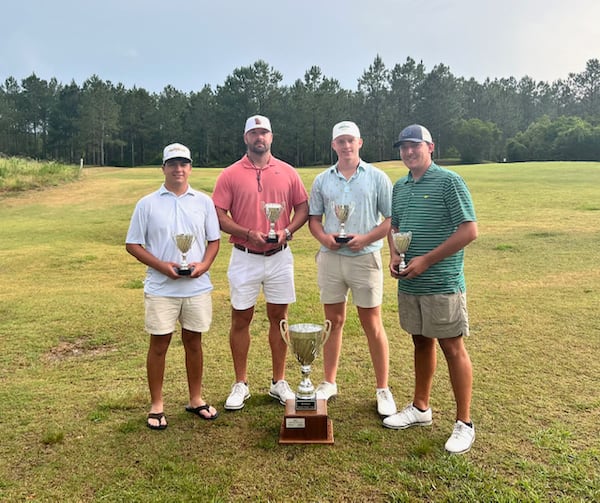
x,y
197,410
159,416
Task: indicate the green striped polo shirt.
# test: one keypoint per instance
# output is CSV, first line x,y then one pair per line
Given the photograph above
x,y
432,208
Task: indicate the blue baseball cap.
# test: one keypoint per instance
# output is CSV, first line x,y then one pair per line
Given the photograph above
x,y
414,133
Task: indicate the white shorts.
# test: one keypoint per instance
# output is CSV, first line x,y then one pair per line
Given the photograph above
x,y
162,313
248,272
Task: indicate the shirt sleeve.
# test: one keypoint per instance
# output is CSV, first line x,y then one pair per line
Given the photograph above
x,y
136,234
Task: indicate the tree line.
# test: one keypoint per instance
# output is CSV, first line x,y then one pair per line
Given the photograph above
x,y
500,119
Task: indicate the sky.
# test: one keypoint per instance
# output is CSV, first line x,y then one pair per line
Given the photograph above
x,y
189,44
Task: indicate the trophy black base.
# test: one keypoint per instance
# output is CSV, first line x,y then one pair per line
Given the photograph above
x,y
306,403
306,426
272,240
344,239
184,272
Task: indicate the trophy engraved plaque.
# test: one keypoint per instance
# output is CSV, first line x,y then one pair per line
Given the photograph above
x,y
401,242
184,242
272,211
343,212
305,420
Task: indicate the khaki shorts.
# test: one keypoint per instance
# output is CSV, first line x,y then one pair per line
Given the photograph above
x,y
435,316
361,274
162,313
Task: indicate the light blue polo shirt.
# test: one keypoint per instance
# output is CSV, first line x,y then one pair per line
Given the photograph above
x,y
159,216
370,189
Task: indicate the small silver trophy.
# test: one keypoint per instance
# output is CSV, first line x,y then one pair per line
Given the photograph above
x,y
305,340
272,211
401,242
343,212
184,242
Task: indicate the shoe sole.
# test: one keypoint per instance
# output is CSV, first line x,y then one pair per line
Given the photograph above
x,y
460,452
330,399
229,407
277,397
426,423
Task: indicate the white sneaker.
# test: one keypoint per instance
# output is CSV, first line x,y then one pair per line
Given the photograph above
x,y
462,438
386,406
410,416
281,390
239,394
326,390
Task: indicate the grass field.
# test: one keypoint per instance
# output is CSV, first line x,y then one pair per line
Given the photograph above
x,y
73,394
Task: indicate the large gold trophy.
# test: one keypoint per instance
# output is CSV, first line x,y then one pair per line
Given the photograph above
x,y
305,420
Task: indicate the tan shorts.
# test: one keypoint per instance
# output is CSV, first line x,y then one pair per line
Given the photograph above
x,y
362,275
162,313
435,316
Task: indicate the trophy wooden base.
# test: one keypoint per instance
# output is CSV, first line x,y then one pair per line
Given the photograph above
x,y
306,426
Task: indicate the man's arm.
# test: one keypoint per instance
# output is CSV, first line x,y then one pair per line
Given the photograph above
x,y
212,248
145,257
462,236
360,241
300,217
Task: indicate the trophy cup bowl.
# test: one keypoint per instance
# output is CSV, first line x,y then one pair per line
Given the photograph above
x,y
343,212
272,211
305,340
184,242
401,242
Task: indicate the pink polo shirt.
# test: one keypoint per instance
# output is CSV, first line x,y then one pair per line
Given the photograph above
x,y
237,191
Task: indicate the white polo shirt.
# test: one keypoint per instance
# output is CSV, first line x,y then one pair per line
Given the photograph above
x,y
156,219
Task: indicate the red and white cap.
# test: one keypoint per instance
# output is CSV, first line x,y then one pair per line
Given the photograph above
x,y
256,122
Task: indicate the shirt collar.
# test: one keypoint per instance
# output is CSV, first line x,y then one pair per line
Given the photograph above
x,y
433,167
248,164
362,166
164,191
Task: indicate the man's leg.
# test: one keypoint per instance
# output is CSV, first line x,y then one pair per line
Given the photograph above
x,y
239,342
336,313
192,343
155,369
370,319
425,361
461,375
276,313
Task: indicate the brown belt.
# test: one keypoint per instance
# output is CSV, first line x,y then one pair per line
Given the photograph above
x,y
267,253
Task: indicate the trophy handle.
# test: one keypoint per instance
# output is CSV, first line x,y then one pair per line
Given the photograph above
x,y
283,328
326,332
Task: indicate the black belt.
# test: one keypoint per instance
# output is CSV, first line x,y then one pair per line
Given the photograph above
x,y
267,253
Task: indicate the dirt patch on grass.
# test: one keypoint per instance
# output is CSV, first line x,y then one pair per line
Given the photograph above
x,y
76,349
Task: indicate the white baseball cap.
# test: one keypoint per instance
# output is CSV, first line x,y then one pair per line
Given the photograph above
x,y
256,122
176,150
345,127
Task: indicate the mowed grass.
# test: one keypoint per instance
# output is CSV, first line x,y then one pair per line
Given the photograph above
x,y
73,394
